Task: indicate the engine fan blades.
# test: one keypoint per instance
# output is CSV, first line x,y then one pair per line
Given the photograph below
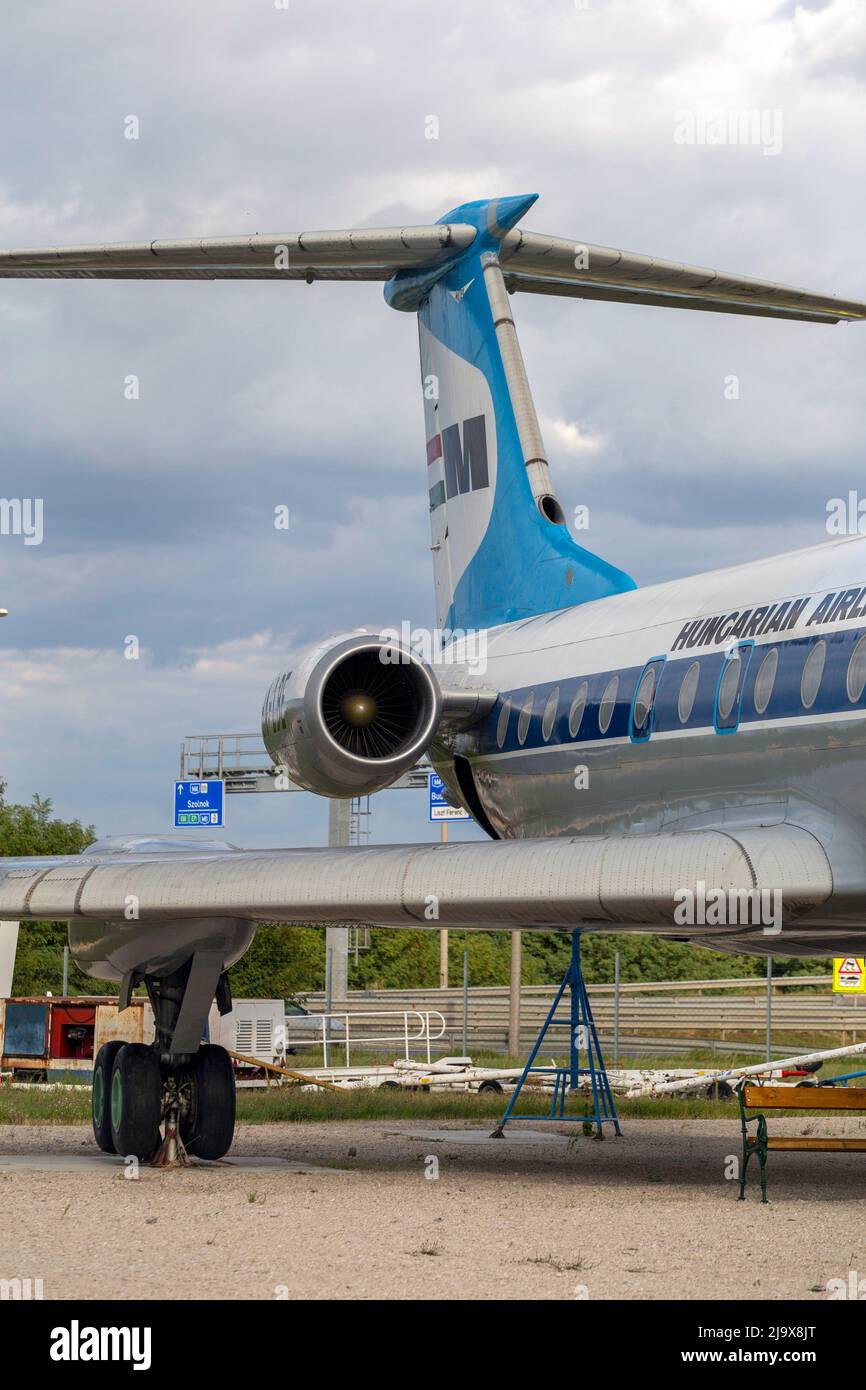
x,y
370,707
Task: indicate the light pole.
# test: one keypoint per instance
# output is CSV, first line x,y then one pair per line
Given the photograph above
x,y
443,931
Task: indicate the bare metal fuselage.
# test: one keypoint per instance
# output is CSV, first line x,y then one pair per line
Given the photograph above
x,y
787,762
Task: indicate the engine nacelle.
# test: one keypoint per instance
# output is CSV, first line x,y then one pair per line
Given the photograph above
x,y
352,716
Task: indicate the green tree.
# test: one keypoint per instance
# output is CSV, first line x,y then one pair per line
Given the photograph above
x,y
26,830
281,962
287,960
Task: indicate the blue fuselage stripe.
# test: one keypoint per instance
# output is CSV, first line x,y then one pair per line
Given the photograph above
x,y
785,702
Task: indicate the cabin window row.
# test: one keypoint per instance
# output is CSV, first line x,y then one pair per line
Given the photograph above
x,y
728,698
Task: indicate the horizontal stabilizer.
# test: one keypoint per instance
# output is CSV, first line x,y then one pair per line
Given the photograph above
x,y
554,265
366,254
530,262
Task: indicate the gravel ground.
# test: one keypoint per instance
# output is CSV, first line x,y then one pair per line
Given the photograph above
x,y
647,1216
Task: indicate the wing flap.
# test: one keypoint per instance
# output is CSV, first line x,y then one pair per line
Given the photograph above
x,y
624,294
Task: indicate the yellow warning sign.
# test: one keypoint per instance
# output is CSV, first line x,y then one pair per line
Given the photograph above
x,y
849,975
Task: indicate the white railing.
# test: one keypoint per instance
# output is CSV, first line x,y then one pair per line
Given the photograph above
x,y
411,1028
478,1019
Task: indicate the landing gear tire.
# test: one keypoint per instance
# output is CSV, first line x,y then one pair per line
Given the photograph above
x,y
208,1125
100,1095
136,1101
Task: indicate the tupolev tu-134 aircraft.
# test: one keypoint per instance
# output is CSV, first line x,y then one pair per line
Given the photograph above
x,y
640,759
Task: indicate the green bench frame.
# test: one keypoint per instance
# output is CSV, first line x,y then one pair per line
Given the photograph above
x,y
821,1098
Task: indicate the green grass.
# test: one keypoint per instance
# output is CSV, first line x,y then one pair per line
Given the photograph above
x,y
45,1106
291,1105
294,1106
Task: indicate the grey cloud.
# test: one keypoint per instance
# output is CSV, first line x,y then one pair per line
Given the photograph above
x,y
158,512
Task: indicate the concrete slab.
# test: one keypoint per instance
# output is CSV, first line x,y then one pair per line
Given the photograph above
x,y
483,1136
77,1163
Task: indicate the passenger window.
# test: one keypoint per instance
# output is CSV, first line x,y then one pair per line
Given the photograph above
x,y
608,704
525,716
856,678
502,725
813,670
730,685
688,691
641,721
765,680
549,715
578,705
730,689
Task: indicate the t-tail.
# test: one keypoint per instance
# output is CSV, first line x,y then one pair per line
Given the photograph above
x,y
501,548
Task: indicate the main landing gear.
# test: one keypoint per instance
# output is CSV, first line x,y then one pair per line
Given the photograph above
x,y
134,1094
173,1099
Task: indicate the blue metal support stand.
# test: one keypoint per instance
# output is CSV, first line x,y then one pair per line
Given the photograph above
x,y
566,1079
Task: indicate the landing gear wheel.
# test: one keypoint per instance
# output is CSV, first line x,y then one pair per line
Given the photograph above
x,y
208,1126
100,1095
136,1100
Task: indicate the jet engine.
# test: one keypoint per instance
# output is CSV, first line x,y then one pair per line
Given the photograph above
x,y
353,715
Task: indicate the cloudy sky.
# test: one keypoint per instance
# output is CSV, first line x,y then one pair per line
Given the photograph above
x,y
263,117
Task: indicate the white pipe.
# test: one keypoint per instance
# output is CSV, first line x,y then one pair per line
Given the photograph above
x,y
778,1064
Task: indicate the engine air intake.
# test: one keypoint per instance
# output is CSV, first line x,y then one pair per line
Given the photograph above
x,y
373,707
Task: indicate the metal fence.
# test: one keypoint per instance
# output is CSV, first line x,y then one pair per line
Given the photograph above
x,y
410,1031
675,1013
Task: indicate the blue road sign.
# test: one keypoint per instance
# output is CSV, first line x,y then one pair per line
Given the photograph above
x,y
439,809
199,804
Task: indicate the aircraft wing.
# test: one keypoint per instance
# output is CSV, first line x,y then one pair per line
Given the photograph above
x,y
561,266
364,254
605,881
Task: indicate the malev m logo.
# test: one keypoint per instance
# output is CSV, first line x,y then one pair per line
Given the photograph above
x,y
464,451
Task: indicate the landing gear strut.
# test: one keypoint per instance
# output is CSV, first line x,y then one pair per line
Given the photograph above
x,y
172,1152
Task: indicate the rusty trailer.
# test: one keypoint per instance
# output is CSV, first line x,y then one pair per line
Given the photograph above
x,y
55,1039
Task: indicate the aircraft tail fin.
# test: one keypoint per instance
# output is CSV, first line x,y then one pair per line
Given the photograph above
x,y
500,544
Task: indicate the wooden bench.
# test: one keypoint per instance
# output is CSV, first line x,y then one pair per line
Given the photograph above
x,y
822,1098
